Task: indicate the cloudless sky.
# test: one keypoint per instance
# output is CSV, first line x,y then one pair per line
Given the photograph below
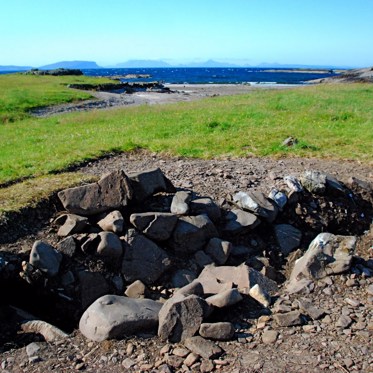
x,y
312,32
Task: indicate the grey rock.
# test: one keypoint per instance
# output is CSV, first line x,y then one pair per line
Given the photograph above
x,y
257,203
202,259
278,197
370,289
226,298
327,254
260,295
67,246
269,336
238,221
333,183
314,181
136,290
112,191
202,347
92,285
45,258
288,237
70,224
113,222
182,277
292,318
143,259
180,317
217,279
90,243
310,310
180,203
343,322
194,288
146,183
110,247
205,206
32,349
113,316
218,250
155,225
192,233
220,331
293,184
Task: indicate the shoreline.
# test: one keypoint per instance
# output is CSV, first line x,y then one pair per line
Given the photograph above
x,y
177,93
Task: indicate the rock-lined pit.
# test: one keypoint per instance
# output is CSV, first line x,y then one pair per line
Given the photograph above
x,y
149,240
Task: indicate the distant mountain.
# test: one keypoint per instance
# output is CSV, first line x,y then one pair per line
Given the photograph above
x,y
142,63
297,66
15,68
209,63
71,65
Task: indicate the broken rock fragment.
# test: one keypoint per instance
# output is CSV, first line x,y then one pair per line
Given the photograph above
x,y
218,250
111,192
202,347
205,206
239,221
110,247
288,237
112,222
180,203
70,224
112,316
180,317
327,254
220,331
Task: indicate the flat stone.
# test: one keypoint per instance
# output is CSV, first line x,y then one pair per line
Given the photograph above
x,y
143,259
343,322
33,349
113,316
191,359
67,246
45,258
203,347
180,317
218,250
288,237
238,221
113,222
269,336
148,182
217,279
194,288
220,331
192,233
180,203
292,318
226,298
157,226
111,192
310,310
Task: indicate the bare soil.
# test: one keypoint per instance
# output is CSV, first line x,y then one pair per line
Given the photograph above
x,y
323,347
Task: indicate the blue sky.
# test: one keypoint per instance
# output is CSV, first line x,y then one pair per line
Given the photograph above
x,y
312,32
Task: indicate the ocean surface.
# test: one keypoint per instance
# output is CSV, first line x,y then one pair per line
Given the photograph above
x,y
213,75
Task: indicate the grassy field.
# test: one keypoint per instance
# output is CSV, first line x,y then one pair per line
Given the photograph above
x,y
333,121
19,93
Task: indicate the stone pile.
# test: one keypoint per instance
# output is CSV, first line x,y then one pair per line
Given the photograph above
x,y
135,256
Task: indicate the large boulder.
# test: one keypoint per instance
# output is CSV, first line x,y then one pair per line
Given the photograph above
x,y
181,317
112,316
143,259
327,254
192,233
112,191
146,183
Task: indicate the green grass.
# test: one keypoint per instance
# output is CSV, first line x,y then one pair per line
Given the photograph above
x,y
333,121
19,93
